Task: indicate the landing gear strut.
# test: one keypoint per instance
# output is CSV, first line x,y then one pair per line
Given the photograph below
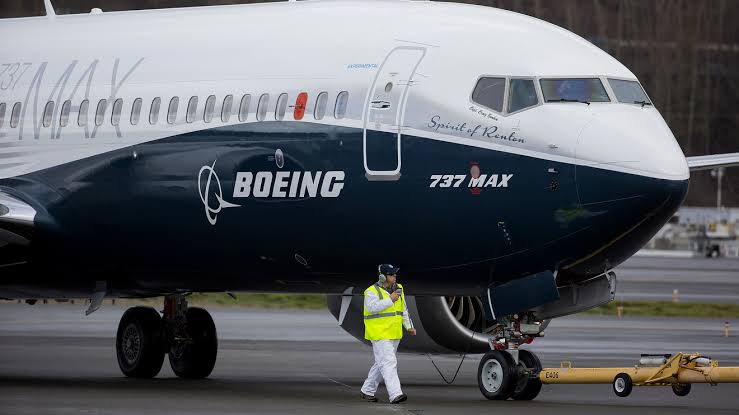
x,y
506,371
187,334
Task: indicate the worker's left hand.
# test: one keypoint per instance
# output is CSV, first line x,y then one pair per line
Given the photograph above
x,y
412,332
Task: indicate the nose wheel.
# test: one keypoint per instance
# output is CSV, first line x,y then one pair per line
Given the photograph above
x,y
500,377
496,375
528,383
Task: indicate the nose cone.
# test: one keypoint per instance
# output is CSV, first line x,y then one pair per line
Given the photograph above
x,y
628,152
632,139
631,179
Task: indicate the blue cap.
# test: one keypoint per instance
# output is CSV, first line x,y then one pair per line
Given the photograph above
x,y
386,269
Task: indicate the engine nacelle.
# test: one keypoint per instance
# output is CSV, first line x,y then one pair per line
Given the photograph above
x,y
458,324
443,324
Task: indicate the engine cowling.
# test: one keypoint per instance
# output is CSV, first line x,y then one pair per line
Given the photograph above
x,y
443,324
458,324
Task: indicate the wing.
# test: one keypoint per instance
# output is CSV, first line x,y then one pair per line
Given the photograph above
x,y
713,161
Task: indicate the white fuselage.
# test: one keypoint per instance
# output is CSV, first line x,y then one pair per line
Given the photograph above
x,y
288,48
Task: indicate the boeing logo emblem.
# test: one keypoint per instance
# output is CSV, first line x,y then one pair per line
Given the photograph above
x,y
285,185
210,212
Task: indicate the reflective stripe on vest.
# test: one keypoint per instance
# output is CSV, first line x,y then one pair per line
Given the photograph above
x,y
388,323
371,316
379,291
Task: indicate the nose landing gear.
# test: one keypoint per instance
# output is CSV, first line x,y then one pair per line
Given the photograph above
x,y
506,371
187,334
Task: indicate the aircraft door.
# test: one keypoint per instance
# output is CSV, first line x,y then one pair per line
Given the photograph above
x,y
384,112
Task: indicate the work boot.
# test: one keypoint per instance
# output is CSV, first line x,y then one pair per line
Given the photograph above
x,y
367,398
402,398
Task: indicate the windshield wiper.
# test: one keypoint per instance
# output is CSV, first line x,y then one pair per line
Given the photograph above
x,y
643,103
568,100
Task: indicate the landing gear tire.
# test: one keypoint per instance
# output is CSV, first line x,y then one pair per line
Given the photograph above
x,y
496,375
681,389
526,387
195,356
622,385
139,343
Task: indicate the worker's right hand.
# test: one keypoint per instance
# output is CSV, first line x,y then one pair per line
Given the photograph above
x,y
394,296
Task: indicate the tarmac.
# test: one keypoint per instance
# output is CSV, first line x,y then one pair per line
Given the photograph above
x,y
53,360
706,280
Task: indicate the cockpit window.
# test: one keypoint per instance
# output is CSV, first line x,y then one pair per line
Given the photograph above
x,y
522,95
585,90
490,92
629,92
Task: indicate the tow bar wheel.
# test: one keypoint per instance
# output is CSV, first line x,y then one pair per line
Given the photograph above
x,y
496,375
622,385
681,389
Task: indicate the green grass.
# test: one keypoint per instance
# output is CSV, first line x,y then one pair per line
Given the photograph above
x,y
318,302
667,309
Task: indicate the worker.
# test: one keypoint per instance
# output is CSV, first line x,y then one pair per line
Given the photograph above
x,y
385,317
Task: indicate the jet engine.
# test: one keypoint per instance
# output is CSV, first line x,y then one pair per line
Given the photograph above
x,y
443,324
458,324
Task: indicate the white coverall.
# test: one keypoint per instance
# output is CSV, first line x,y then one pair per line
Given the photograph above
x,y
386,365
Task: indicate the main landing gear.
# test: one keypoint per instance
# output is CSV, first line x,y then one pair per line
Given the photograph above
x,y
507,371
187,335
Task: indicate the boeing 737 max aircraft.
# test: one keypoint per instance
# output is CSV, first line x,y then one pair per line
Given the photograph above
x,y
506,164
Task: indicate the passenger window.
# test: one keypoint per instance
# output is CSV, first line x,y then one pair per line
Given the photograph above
x,y
2,114
574,90
281,107
262,107
244,107
154,111
172,111
320,111
100,112
490,92
226,110
192,109
210,106
115,118
629,92
82,113
522,94
136,111
340,108
48,112
15,115
64,116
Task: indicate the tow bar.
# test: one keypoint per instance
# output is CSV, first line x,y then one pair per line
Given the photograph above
x,y
678,371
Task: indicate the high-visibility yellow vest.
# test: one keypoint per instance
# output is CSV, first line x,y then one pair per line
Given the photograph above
x,y
388,323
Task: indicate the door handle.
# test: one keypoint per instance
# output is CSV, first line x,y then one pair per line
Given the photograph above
x,y
380,105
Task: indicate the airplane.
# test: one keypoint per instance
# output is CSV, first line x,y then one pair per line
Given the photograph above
x,y
506,164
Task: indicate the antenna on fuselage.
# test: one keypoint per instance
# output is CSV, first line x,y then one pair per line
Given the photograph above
x,y
49,9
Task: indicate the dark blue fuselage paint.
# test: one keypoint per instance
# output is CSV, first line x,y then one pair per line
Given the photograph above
x,y
136,219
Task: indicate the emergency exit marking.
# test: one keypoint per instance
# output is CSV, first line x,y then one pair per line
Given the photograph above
x,y
300,106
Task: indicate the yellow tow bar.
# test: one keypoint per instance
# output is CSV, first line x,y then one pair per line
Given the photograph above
x,y
678,371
